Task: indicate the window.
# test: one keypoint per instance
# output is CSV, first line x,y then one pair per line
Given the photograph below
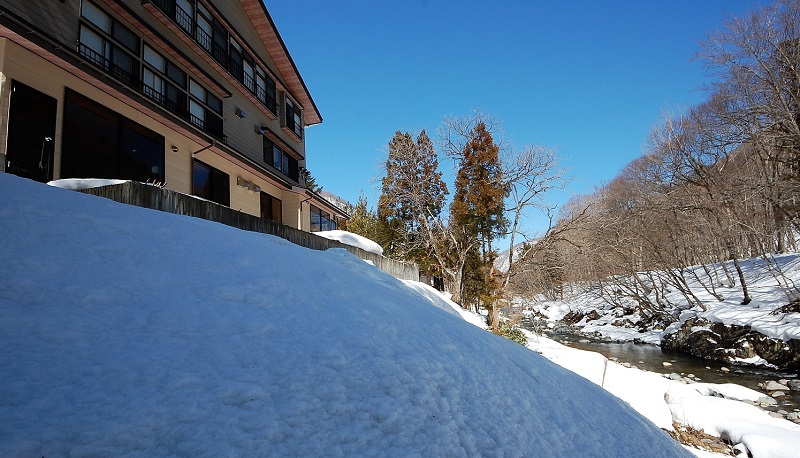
x,y
205,109
271,208
184,15
321,220
292,119
108,44
163,81
236,60
99,143
266,91
210,183
204,30
280,159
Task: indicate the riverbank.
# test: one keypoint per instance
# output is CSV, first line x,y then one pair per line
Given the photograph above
x,y
724,411
764,332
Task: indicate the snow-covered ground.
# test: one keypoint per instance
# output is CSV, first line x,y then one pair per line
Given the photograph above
x,y
717,409
129,332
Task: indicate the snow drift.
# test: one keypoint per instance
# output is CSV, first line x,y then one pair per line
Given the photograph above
x,y
132,332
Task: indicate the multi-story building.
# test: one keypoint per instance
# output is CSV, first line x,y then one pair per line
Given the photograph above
x,y
201,96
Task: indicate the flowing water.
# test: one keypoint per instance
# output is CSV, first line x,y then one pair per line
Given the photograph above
x,y
652,358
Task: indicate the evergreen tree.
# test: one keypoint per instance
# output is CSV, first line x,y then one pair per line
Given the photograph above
x,y
478,201
412,196
477,212
363,221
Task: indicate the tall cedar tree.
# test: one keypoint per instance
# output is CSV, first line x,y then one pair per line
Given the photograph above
x,y
412,193
478,201
478,210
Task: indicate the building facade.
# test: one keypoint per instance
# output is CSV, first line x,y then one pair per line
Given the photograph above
x,y
200,96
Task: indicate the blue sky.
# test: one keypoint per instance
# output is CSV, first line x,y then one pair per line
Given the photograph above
x,y
592,78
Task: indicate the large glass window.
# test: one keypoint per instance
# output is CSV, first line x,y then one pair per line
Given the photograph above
x,y
210,183
321,220
99,143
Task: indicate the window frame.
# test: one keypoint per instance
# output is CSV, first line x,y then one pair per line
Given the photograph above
x,y
218,187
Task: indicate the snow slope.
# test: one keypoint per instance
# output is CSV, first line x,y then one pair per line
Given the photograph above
x,y
129,332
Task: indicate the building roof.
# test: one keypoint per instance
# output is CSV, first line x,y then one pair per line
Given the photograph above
x,y
257,12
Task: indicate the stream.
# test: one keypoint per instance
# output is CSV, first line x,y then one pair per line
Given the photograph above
x,y
652,358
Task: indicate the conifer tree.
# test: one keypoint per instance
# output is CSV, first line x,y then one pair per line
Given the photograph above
x,y
363,221
412,196
477,212
478,201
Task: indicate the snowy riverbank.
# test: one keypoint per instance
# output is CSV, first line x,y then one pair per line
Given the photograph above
x,y
762,332
722,410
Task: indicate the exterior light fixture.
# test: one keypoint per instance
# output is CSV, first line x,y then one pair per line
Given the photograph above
x,y
239,113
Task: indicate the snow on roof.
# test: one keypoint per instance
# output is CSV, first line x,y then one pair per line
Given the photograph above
x,y
348,238
130,331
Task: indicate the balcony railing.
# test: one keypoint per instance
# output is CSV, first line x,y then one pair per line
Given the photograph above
x,y
203,39
98,60
184,19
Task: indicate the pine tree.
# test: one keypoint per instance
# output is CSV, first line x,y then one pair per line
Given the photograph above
x,y
478,201
477,212
412,195
363,221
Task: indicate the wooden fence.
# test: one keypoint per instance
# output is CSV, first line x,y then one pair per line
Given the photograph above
x,y
167,200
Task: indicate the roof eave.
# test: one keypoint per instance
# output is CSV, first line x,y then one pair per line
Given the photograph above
x,y
257,12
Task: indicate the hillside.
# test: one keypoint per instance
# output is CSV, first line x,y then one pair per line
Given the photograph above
x,y
133,332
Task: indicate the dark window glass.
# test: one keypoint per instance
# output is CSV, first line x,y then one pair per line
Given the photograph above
x,y
142,152
99,143
126,37
272,96
220,39
210,183
271,208
235,64
176,74
292,171
214,102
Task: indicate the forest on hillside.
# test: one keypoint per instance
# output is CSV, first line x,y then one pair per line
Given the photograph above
x,y
718,183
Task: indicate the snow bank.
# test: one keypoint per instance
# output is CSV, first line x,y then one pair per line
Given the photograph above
x,y
75,184
348,238
133,332
715,408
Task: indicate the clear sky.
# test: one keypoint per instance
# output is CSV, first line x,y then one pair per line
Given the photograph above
x,y
592,78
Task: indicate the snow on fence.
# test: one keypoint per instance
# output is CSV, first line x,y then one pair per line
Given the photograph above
x,y
167,200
